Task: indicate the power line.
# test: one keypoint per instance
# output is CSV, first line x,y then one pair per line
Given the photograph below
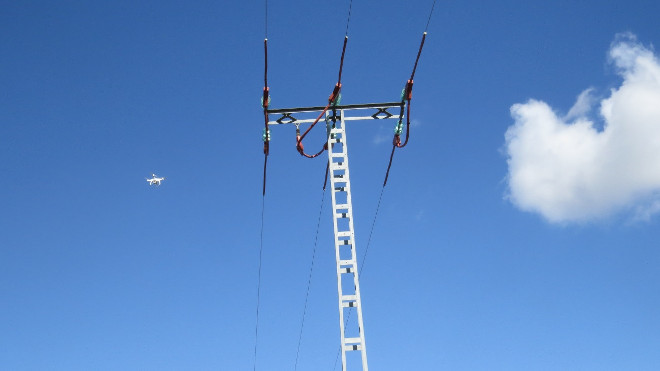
x,y
309,279
430,14
263,194
261,245
348,20
373,224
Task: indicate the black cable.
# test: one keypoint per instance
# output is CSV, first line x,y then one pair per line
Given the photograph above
x,y
263,195
419,53
309,279
430,14
341,63
265,103
261,245
350,6
389,165
373,224
265,98
263,192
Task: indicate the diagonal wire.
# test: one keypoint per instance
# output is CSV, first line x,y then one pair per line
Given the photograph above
x,y
266,18
309,279
261,245
364,258
263,202
366,250
430,14
348,20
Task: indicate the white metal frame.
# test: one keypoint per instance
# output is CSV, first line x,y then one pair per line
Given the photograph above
x,y
342,210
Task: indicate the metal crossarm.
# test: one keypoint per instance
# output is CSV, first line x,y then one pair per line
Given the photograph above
x,y
341,107
348,283
301,115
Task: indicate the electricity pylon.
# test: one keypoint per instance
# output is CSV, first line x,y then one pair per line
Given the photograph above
x,y
348,283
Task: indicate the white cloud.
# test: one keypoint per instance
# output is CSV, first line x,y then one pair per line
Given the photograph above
x,y
568,171
644,212
582,105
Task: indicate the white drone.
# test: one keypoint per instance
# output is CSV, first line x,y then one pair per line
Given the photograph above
x,y
155,180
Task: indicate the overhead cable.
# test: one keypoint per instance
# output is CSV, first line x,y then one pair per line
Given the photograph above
x,y
261,244
309,279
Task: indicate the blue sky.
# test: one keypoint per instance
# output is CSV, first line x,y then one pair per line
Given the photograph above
x,y
469,268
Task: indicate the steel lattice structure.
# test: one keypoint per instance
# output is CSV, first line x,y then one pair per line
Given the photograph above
x,y
348,283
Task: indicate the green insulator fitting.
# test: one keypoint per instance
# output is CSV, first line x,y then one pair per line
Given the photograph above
x,y
399,129
337,100
266,135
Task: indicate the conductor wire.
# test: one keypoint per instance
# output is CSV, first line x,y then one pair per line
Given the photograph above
x,y
264,103
350,6
309,279
261,245
430,14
